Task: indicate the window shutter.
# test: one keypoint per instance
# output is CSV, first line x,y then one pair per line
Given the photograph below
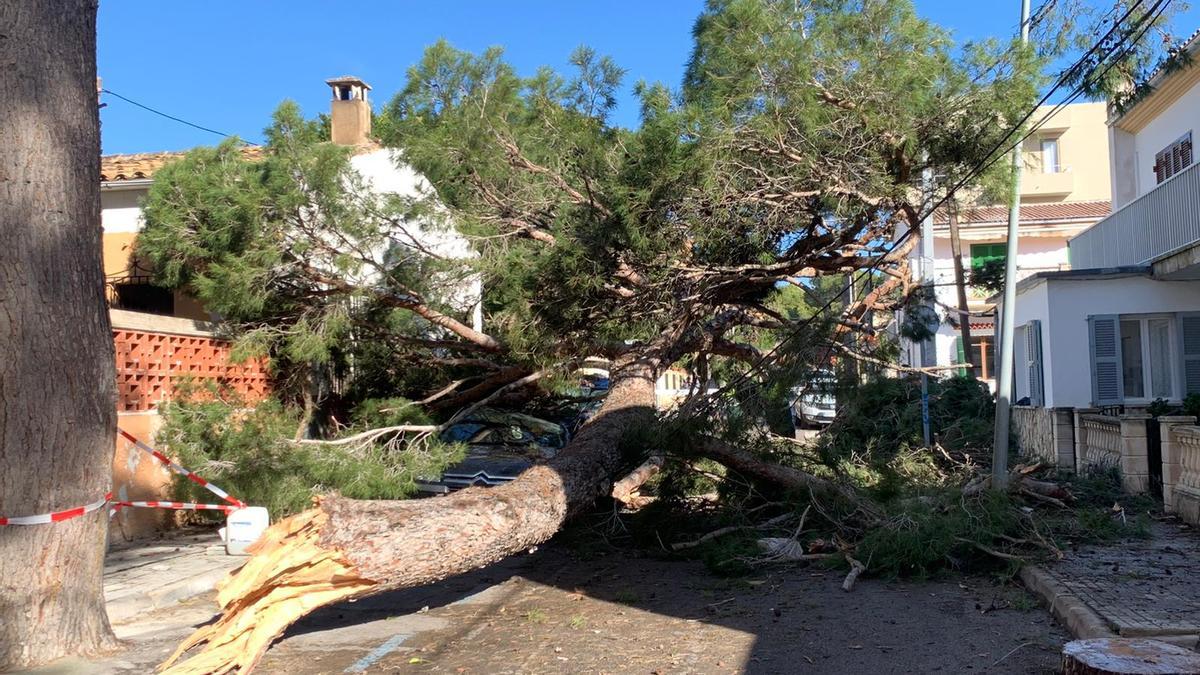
x,y
1185,150
1033,351
959,354
1189,330
1159,168
1104,331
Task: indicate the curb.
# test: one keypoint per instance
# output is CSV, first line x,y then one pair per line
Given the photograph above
x,y
129,607
1081,620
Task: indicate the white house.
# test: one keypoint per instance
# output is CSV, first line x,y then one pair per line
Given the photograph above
x,y
1065,188
127,178
1122,326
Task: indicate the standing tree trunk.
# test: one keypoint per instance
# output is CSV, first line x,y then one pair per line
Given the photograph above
x,y
960,284
57,383
345,549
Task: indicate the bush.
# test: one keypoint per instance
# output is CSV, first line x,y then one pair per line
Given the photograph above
x,y
247,452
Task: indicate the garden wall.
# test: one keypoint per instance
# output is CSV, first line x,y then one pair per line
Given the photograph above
x,y
152,354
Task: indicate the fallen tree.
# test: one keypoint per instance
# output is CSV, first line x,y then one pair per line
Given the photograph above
x,y
781,161
345,548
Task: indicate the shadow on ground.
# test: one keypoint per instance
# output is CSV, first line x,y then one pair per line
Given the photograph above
x,y
622,612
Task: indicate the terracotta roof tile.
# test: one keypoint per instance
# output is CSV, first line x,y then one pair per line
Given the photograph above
x,y
1058,211
142,165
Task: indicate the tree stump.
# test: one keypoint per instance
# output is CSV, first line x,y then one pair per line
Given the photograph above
x,y
1128,656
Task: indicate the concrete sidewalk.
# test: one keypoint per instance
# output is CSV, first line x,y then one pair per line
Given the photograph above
x,y
142,576
1147,588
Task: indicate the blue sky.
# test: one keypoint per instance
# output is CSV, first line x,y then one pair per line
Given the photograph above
x,y
226,65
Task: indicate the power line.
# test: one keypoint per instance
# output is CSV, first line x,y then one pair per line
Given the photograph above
x,y
143,106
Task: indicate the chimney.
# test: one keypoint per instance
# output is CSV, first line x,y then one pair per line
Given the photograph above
x,y
350,112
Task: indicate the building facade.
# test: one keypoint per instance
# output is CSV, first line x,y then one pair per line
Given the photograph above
x,y
1065,189
162,335
1122,327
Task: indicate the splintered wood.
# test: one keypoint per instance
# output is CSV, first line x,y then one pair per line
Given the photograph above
x,y
288,576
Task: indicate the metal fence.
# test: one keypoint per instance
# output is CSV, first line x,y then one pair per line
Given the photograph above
x,y
1159,222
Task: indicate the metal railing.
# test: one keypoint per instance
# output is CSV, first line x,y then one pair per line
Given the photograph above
x,y
1159,222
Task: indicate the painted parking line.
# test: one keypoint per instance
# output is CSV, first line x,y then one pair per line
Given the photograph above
x,y
361,665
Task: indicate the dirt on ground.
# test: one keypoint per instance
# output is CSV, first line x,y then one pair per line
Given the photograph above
x,y
554,613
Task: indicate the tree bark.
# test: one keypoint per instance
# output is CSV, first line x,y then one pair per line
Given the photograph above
x,y
345,548
1127,656
960,284
57,382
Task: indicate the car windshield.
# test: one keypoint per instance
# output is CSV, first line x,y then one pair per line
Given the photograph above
x,y
499,428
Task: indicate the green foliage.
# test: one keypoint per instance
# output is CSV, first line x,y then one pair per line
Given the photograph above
x,y
245,451
924,537
881,419
1191,405
989,275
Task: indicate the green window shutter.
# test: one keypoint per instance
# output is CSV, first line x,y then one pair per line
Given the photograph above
x,y
984,253
1189,331
1104,331
960,355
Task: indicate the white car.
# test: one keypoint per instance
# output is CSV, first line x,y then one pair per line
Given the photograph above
x,y
815,404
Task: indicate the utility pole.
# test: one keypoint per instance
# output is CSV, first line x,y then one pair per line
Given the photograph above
x,y
1004,376
928,347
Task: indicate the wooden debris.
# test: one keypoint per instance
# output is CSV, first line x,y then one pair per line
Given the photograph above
x,y
626,489
856,568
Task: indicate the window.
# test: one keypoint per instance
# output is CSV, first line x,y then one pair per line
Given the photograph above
x,y
982,254
1146,357
1174,158
143,297
1049,155
982,356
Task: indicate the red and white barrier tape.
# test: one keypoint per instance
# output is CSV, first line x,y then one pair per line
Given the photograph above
x,y
59,516
180,470
178,506
56,516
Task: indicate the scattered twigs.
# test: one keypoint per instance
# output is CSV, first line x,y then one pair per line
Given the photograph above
x,y
720,532
1014,651
990,551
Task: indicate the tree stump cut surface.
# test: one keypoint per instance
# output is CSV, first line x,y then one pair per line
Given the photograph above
x,y
1128,656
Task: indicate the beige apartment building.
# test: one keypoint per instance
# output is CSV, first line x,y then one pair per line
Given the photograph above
x,y
1065,189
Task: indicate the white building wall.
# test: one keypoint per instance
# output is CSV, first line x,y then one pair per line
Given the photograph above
x,y
120,211
1064,305
1167,127
385,173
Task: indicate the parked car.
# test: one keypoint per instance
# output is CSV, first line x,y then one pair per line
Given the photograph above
x,y
500,446
815,403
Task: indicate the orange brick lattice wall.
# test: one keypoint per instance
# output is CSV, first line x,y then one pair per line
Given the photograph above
x,y
148,364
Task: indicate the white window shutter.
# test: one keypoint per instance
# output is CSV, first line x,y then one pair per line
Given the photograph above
x,y
1189,332
1104,331
1033,351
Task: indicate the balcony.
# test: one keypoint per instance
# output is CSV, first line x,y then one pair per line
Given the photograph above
x,y
1038,184
1161,222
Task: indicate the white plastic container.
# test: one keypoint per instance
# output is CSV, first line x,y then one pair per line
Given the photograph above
x,y
243,527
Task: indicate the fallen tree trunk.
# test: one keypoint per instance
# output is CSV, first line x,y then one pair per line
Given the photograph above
x,y
345,548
